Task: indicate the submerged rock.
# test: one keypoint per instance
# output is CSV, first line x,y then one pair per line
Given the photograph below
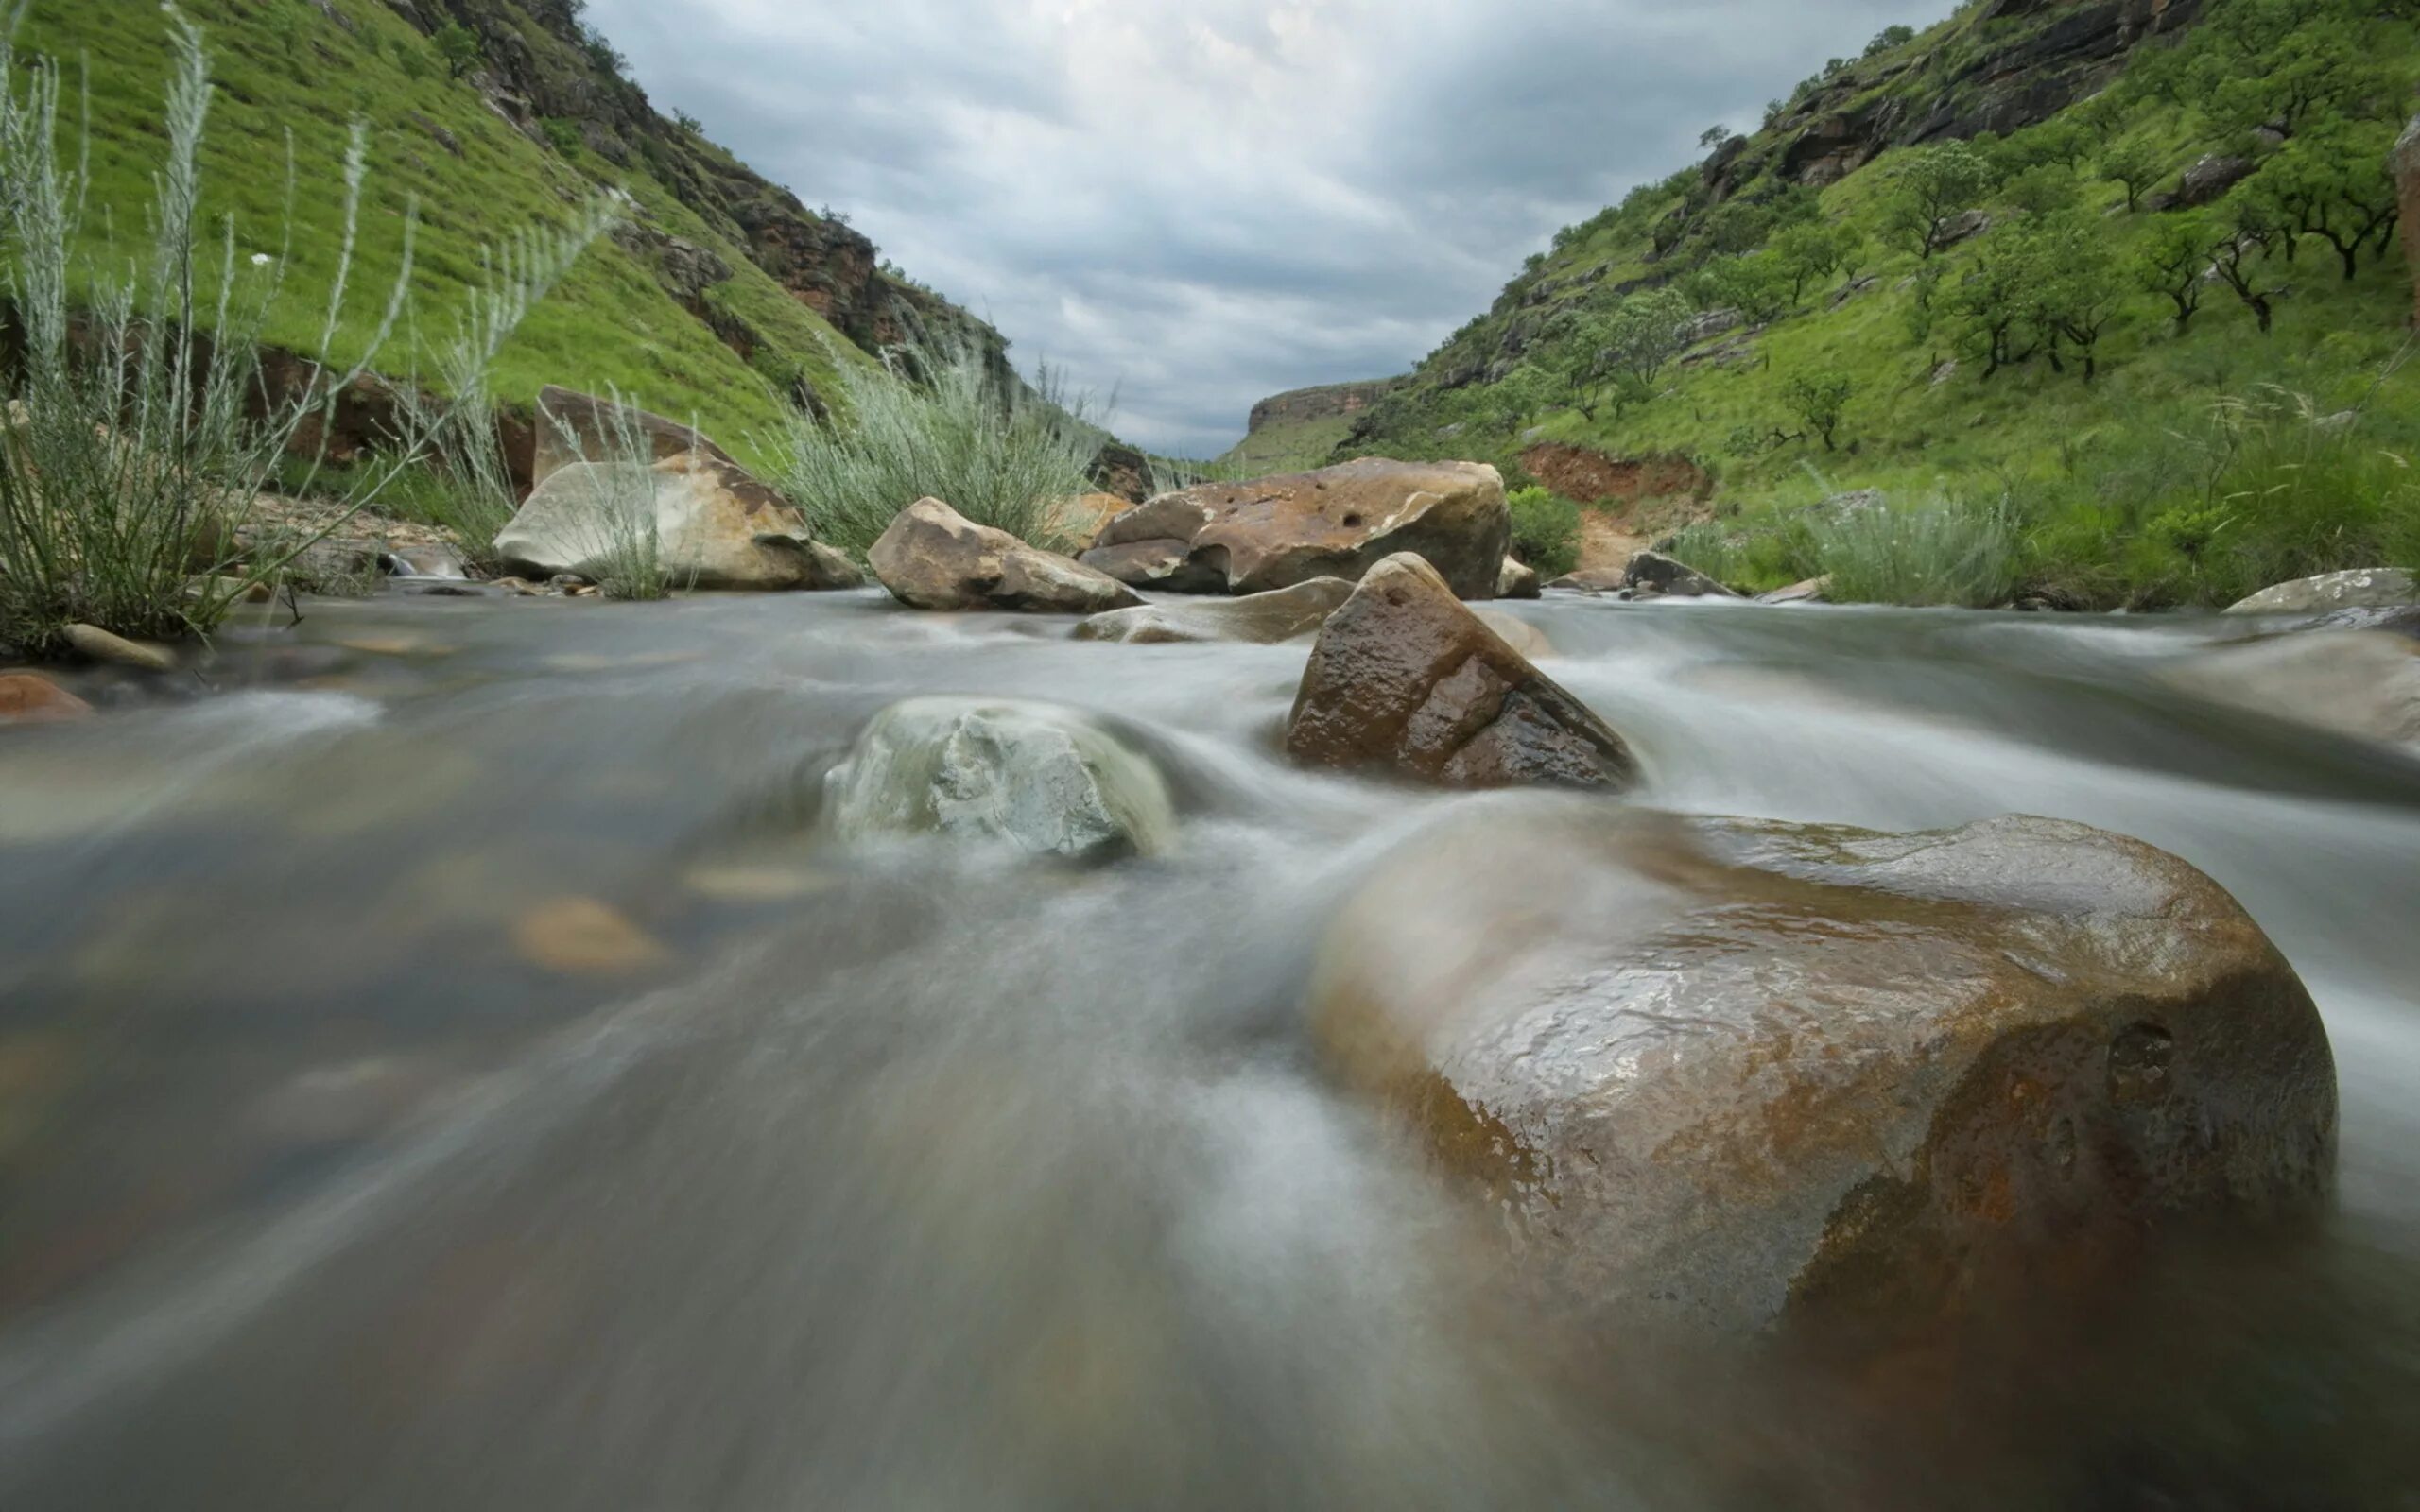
x,y
2360,588
2364,683
1032,776
711,525
1726,1073
933,557
585,936
1523,637
1405,678
1516,580
28,698
1280,614
1340,522
1809,590
1593,580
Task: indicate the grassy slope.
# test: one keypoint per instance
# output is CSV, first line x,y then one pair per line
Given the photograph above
x,y
2028,434
283,67
1286,447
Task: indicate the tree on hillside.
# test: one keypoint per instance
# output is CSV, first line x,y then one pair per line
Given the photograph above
x,y
2236,257
1759,286
1994,302
1888,38
2289,76
2134,165
2175,263
1618,352
2331,183
460,46
2078,288
1818,400
1813,251
1927,187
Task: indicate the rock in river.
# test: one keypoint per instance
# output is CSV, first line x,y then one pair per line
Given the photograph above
x,y
1516,580
1280,614
1726,1073
1653,573
934,558
1036,777
1406,678
713,526
2364,683
30,698
2359,588
1246,538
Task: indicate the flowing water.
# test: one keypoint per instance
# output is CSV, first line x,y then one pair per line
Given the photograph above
x,y
440,1067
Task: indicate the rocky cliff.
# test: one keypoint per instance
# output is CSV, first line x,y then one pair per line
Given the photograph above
x,y
1328,402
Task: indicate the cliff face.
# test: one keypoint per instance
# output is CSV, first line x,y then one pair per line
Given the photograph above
x,y
542,71
1328,402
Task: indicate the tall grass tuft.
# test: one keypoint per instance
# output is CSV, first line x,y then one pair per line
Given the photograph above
x,y
938,419
623,547
139,429
1943,552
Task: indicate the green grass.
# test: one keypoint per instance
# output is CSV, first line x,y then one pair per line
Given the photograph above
x,y
1293,446
285,71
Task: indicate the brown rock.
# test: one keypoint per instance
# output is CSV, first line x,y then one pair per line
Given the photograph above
x,y
28,698
1725,1073
574,427
1593,580
715,526
1654,572
584,936
1340,522
1594,478
1405,678
1280,614
1516,580
934,558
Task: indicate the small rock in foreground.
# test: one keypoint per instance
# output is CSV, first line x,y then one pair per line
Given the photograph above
x,y
96,644
1035,777
30,698
1516,580
585,936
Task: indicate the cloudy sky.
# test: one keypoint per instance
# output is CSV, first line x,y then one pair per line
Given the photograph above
x,y
1199,202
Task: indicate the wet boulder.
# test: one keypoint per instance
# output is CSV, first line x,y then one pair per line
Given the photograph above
x,y
2357,588
1340,522
2364,683
1726,1074
713,526
1280,614
1516,580
1650,574
1522,636
933,557
1406,679
1593,580
1031,777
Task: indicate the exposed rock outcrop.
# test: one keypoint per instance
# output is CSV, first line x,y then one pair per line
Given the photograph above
x,y
2356,588
1407,679
1340,522
1726,1074
1327,401
1031,777
933,557
1280,614
1593,477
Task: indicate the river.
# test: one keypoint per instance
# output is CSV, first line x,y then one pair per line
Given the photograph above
x,y
333,1174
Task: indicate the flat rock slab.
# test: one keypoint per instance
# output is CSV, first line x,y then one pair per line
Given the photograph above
x,y
1721,1073
1340,522
1280,614
2360,588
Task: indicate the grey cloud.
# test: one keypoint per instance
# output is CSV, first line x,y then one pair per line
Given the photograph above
x,y
1199,202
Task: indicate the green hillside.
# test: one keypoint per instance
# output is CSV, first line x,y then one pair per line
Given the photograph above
x,y
724,344
2033,376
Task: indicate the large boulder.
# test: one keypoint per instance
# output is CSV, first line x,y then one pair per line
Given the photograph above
x,y
2359,588
1280,614
714,527
571,427
2364,683
934,558
1030,777
1725,1073
1340,522
1406,679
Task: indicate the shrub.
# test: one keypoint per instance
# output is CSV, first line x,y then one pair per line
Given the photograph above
x,y
1545,530
941,419
1945,552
